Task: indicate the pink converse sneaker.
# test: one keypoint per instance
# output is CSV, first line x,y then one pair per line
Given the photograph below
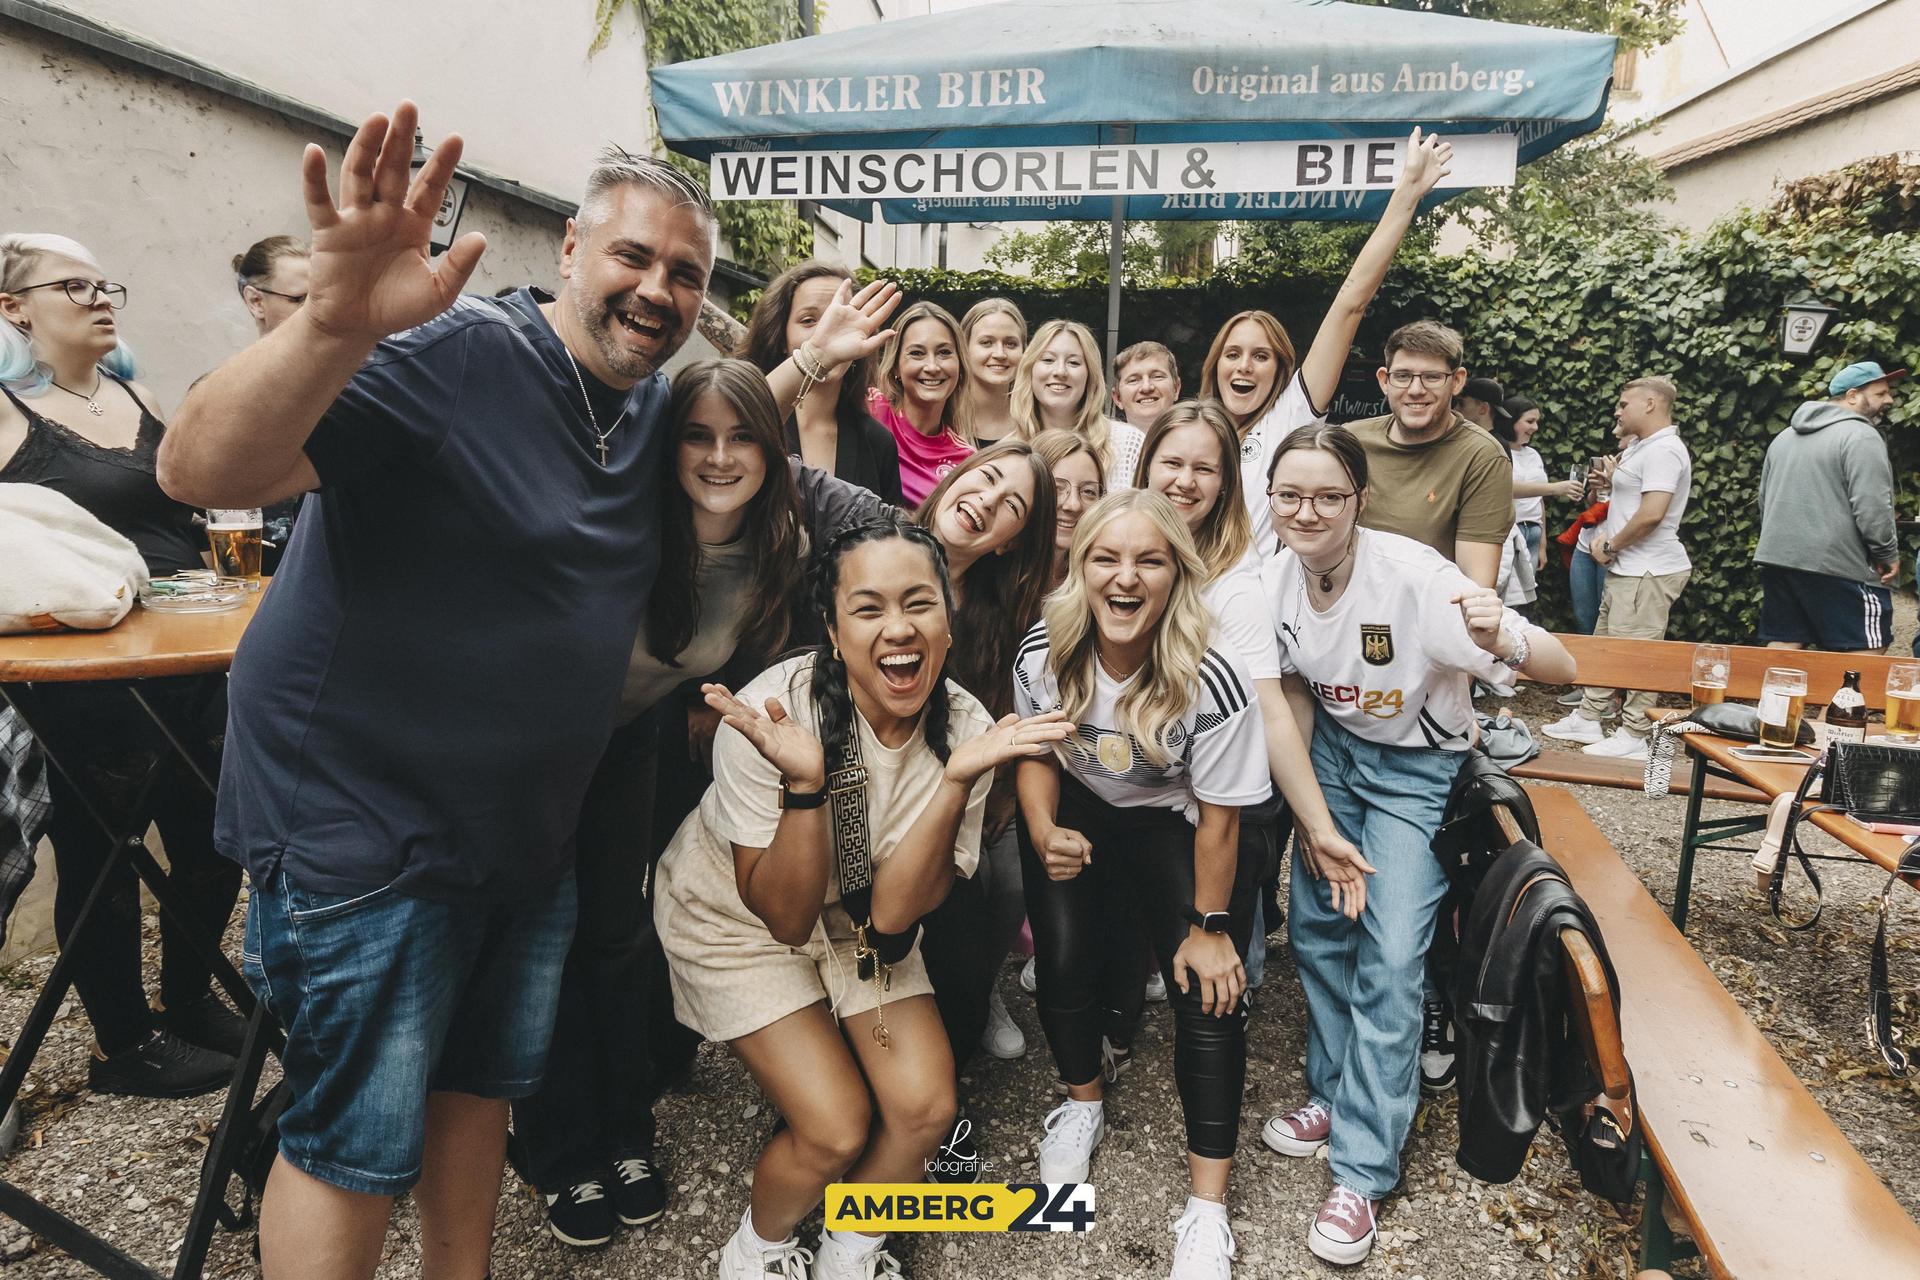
x,y
1298,1133
1342,1232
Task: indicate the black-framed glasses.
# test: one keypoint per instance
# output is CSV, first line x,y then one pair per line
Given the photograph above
x,y
1429,378
297,299
83,293
1286,502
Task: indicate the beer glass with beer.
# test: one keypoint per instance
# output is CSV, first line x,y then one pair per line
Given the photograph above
x,y
235,537
1903,701
1783,698
1711,665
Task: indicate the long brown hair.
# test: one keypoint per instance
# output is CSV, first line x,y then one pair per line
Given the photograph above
x,y
886,375
1284,365
772,527
765,342
1000,594
1225,532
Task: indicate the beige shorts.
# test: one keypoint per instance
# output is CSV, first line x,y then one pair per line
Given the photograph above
x,y
731,977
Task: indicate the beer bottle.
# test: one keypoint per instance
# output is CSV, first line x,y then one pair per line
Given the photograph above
x,y
1847,713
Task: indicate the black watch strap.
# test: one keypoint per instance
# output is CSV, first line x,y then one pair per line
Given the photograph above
x,y
803,799
1210,921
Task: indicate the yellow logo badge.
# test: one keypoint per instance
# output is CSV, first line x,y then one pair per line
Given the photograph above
x,y
984,1206
1115,752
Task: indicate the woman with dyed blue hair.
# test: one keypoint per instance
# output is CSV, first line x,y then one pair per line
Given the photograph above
x,y
71,419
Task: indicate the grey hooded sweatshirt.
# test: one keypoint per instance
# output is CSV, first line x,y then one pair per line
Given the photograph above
x,y
1826,495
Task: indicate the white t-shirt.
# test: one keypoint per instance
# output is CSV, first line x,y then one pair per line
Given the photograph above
x,y
1123,453
1293,409
1390,660
1218,748
1529,467
743,805
1658,463
1242,620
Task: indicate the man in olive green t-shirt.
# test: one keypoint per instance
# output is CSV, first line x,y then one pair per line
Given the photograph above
x,y
1434,476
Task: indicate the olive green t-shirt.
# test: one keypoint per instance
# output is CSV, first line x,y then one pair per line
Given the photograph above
x,y
1456,488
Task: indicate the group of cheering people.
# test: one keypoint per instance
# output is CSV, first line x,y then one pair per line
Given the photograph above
x,y
1041,663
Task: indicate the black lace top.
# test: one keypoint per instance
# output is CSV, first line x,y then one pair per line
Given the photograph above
x,y
117,486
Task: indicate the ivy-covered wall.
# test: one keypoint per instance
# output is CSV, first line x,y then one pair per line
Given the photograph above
x,y
1570,326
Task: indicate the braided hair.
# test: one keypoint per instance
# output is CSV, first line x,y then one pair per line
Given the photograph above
x,y
832,697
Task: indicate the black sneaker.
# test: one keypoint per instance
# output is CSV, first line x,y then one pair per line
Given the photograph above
x,y
581,1215
958,1159
1436,1046
639,1192
207,1022
164,1067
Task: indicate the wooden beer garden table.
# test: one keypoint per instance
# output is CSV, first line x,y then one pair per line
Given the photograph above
x,y
146,645
1713,757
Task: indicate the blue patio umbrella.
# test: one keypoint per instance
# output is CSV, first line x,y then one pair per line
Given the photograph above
x,y
1118,109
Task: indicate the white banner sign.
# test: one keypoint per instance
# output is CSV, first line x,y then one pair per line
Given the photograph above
x,y
1170,168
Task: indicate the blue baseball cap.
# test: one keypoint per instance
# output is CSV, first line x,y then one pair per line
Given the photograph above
x,y
1859,375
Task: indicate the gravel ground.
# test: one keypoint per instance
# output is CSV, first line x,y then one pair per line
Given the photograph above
x,y
129,1167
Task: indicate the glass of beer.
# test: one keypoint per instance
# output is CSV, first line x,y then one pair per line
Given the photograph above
x,y
1712,663
1783,698
235,538
1903,701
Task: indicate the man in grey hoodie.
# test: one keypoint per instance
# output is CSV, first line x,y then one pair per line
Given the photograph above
x,y
1827,548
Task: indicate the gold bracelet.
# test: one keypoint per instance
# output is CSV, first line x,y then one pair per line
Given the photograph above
x,y
801,361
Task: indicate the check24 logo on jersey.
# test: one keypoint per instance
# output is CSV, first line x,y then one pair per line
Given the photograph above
x,y
1381,704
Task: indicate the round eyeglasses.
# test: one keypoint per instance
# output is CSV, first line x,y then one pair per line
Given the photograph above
x,y
1286,502
83,293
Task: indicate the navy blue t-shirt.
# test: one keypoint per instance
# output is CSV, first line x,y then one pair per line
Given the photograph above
x,y
432,677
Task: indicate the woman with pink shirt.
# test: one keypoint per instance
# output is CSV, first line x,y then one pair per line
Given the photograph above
x,y
920,381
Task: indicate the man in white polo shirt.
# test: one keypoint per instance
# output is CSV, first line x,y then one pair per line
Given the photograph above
x,y
1639,545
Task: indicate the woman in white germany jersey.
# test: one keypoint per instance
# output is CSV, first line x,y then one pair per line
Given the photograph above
x,y
1381,638
1144,798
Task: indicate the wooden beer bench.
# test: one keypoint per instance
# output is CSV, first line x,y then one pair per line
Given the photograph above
x,y
1766,1184
1666,666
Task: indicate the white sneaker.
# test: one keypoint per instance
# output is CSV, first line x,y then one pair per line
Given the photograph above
x,y
1073,1130
1203,1248
836,1261
1342,1232
740,1260
1575,728
1003,1038
1156,988
1030,976
1620,745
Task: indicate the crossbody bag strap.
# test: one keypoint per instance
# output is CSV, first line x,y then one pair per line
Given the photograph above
x,y
1790,847
1880,1026
875,953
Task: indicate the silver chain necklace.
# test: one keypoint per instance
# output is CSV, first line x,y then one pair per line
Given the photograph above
x,y
93,405
599,437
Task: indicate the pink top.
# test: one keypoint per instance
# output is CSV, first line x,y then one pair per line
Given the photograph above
x,y
924,459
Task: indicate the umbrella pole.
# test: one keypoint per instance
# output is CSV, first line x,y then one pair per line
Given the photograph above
x,y
1116,232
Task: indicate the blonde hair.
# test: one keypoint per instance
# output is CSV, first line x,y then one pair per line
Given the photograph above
x,y
886,374
1164,688
1658,386
1091,422
1226,531
963,412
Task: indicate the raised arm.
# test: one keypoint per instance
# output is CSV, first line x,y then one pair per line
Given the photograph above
x,y
1427,161
238,438
848,330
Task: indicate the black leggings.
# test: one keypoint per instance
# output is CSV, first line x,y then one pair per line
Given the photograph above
x,y
1147,855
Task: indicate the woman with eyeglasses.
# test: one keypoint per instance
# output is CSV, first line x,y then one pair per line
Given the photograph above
x,y
272,278
1251,368
73,420
1381,639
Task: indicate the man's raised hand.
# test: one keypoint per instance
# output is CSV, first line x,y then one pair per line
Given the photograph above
x,y
372,274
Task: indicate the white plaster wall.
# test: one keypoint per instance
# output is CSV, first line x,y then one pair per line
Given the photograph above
x,y
165,182
513,79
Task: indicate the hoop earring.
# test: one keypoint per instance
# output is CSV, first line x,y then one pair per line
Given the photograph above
x,y
836,653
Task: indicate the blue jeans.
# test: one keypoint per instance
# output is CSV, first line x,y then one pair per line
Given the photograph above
x,y
1535,535
1588,582
386,998
1363,978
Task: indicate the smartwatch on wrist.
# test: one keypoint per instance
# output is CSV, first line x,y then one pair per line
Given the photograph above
x,y
1209,921
802,799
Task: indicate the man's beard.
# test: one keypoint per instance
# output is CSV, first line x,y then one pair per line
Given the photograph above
x,y
598,323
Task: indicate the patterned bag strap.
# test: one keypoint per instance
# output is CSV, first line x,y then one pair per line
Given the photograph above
x,y
1659,771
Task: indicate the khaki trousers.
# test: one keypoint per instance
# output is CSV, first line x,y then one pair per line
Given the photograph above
x,y
1633,608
